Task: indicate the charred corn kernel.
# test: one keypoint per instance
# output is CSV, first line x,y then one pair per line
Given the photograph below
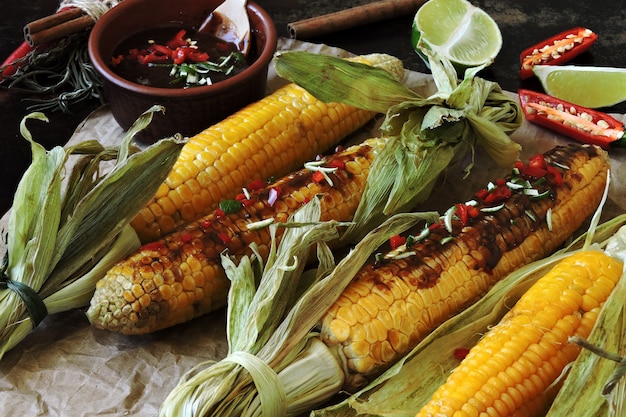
x,y
269,138
532,340
416,288
184,266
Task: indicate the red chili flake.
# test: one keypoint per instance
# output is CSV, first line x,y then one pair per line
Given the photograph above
x,y
461,211
554,176
116,60
500,182
461,353
533,172
317,177
435,226
241,197
273,196
219,213
397,241
498,194
537,161
482,194
472,211
224,237
206,224
186,237
256,185
306,200
337,163
247,202
157,245
178,39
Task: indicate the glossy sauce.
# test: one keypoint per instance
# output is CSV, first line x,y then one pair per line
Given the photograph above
x,y
158,74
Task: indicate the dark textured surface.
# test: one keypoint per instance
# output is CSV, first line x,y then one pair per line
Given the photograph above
x,y
522,24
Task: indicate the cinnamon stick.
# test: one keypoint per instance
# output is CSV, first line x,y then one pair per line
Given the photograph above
x,y
56,26
355,16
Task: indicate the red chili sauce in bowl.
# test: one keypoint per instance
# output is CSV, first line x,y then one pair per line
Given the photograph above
x,y
176,57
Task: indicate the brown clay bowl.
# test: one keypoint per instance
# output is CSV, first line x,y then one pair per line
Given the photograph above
x,y
187,111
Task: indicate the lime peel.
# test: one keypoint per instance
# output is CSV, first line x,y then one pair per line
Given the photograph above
x,y
457,30
586,86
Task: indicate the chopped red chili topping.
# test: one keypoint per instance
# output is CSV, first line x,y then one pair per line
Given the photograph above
x,y
206,224
337,163
498,194
224,237
219,213
186,237
256,185
317,177
397,241
153,246
461,353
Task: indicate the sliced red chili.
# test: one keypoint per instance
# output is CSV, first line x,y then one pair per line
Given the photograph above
x,y
157,245
461,211
554,176
498,194
397,241
186,237
580,123
461,353
336,163
178,39
256,185
224,237
556,50
317,177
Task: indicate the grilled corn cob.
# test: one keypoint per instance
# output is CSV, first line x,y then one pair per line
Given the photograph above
x,y
393,303
508,372
179,276
269,138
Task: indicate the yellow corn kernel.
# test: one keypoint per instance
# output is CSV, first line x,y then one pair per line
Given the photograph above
x,y
269,138
188,279
418,292
536,329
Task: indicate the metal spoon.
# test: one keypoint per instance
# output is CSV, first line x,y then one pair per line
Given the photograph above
x,y
229,21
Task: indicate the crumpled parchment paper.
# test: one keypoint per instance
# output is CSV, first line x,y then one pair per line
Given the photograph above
x,y
67,368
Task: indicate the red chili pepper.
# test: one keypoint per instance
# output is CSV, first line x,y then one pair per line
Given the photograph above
x,y
152,246
256,185
397,241
178,39
317,177
498,194
10,64
186,237
337,163
461,353
224,237
462,212
554,176
556,50
580,123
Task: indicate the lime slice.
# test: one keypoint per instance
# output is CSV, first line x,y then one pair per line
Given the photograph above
x,y
591,87
457,30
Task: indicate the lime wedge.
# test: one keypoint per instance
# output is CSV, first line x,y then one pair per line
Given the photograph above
x,y
457,30
591,87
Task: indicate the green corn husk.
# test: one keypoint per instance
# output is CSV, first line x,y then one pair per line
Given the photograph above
x,y
69,223
276,366
426,135
403,389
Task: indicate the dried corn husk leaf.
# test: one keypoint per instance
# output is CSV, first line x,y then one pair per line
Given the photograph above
x,y
63,232
426,134
409,384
